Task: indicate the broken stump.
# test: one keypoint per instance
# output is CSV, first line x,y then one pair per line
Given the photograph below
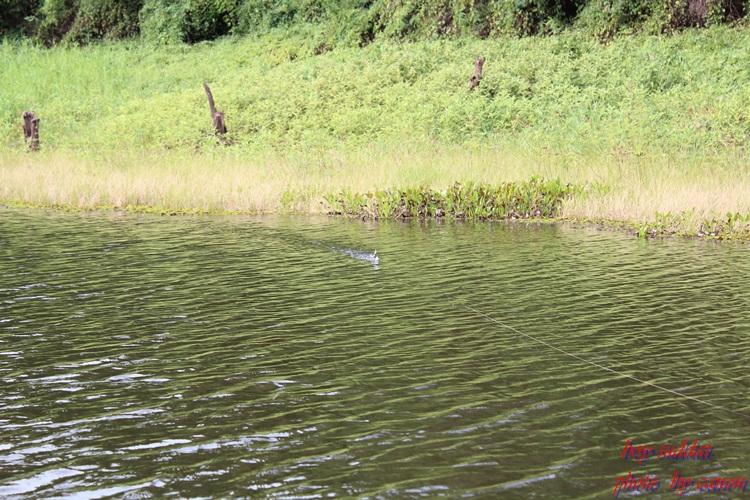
x,y
477,76
31,130
216,116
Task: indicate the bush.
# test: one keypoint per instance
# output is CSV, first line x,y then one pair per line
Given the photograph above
x,y
535,16
55,19
255,15
353,22
83,21
164,22
700,13
209,19
604,18
14,14
105,19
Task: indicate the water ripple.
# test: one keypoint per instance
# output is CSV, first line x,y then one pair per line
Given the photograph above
x,y
281,357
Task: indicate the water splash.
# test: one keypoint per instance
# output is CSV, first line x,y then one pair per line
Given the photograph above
x,y
364,255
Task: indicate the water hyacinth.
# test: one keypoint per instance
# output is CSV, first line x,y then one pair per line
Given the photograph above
x,y
535,198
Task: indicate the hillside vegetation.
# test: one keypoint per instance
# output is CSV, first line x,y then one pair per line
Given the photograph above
x,y
669,96
653,128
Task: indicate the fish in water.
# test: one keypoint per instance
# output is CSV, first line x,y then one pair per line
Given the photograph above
x,y
364,255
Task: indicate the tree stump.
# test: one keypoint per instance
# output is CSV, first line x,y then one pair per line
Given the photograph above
x,y
216,116
477,76
31,130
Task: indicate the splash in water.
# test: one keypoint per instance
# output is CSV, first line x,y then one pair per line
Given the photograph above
x,y
364,255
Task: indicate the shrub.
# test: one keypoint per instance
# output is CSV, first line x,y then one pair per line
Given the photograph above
x,y
83,21
176,21
14,15
163,21
604,18
699,13
352,22
209,19
105,19
55,19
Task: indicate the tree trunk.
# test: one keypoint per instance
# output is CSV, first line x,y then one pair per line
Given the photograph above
x,y
31,130
216,116
477,76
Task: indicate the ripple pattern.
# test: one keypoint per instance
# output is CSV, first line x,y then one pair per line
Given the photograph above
x,y
304,357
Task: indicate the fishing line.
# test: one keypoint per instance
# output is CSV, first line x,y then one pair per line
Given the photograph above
x,y
480,313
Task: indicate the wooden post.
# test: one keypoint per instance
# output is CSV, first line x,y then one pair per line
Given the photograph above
x,y
477,76
31,130
216,116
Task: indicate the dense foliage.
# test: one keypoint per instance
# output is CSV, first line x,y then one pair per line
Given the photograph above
x,y
351,22
536,198
632,96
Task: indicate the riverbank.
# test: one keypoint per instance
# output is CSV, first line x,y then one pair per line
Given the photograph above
x,y
703,197
654,130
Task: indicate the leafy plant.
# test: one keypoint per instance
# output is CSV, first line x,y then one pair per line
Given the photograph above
x,y
536,198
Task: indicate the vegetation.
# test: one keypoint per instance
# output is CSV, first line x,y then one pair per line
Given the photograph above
x,y
351,22
537,198
654,129
565,95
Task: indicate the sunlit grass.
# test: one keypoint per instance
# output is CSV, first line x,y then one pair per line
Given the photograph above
x,y
683,193
296,181
568,93
685,197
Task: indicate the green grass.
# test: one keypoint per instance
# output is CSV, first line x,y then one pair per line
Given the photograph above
x,y
680,95
652,125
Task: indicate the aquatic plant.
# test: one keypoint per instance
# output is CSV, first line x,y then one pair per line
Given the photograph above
x,y
535,198
730,226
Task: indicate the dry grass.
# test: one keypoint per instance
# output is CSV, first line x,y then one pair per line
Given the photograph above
x,y
677,196
293,181
629,189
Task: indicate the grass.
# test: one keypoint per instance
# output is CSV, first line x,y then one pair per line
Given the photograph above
x,y
655,129
678,198
293,181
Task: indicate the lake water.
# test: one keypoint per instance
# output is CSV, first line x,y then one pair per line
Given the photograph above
x,y
282,357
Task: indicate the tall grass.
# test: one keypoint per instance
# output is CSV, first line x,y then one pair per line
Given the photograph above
x,y
650,124
671,196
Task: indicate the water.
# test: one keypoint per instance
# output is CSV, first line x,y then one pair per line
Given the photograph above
x,y
302,357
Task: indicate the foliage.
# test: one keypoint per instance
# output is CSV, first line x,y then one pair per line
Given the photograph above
x,y
14,15
534,16
701,13
164,22
177,21
604,18
83,21
732,225
353,22
209,19
683,96
536,198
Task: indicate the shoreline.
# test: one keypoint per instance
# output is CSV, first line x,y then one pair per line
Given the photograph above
x,y
703,196
643,230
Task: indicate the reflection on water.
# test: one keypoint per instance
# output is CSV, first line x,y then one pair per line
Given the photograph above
x,y
299,357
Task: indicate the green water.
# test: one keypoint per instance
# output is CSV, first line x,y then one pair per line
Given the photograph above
x,y
281,357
